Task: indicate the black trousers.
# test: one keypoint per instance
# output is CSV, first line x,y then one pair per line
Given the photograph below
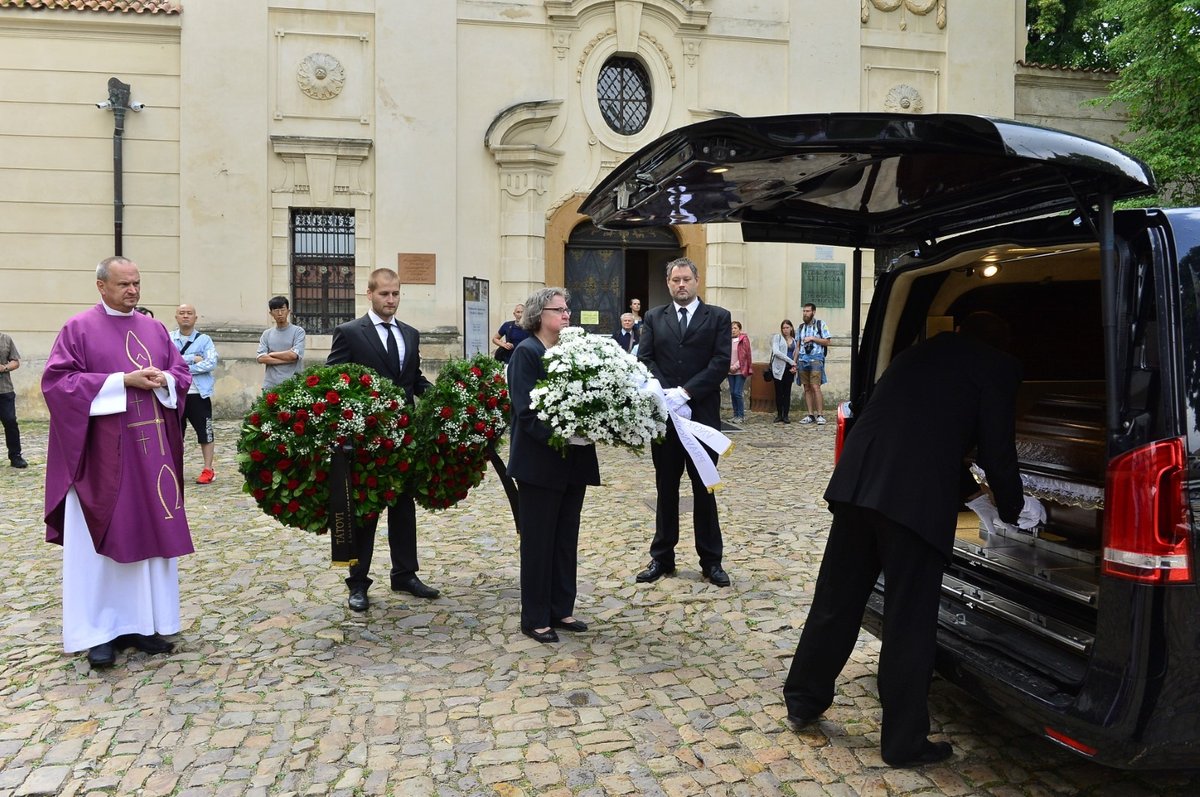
x,y
549,551
402,541
783,394
670,460
862,543
8,417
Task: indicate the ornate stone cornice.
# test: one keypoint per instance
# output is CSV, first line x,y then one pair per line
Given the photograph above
x,y
918,7
686,15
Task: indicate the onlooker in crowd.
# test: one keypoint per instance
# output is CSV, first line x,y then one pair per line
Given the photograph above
x,y
200,354
509,335
552,482
686,346
895,495
814,342
393,349
281,347
114,499
10,360
783,368
739,369
635,307
626,336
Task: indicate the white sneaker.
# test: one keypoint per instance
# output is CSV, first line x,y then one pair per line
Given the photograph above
x,y
820,420
806,419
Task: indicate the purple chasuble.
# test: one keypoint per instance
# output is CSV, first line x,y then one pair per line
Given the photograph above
x,y
126,467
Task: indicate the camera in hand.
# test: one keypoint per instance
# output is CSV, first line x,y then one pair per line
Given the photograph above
x,y
808,348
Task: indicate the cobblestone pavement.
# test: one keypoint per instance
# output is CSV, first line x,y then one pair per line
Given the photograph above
x,y
276,688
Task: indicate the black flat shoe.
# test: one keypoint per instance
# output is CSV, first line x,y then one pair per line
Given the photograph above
x,y
147,644
654,571
101,656
18,462
930,753
540,636
574,625
717,576
358,599
413,585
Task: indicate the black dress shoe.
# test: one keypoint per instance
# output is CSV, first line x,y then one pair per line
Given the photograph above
x,y
540,636
413,585
19,462
930,753
654,571
716,575
358,599
574,625
102,656
147,644
797,722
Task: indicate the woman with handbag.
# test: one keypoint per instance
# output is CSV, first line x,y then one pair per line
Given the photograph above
x,y
783,368
739,369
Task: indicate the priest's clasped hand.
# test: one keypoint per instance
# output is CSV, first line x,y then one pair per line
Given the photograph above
x,y
145,379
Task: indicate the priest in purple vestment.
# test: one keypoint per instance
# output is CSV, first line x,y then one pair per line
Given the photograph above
x,y
114,384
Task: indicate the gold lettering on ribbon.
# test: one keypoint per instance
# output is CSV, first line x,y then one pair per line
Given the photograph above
x,y
166,470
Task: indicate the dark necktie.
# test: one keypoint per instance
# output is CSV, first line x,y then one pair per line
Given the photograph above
x,y
393,349
682,320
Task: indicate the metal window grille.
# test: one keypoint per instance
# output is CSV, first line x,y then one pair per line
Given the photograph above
x,y
623,91
322,269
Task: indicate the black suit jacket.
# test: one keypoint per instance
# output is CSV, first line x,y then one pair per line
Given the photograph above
x,y
699,362
530,457
934,403
358,342
626,340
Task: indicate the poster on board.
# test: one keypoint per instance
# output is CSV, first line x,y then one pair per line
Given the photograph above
x,y
475,316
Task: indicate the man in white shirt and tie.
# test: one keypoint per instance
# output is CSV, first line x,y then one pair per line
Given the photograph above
x,y
392,348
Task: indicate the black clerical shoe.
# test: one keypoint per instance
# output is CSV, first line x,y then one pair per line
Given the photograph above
x,y
147,644
19,462
102,656
358,599
413,584
930,753
540,636
799,722
716,575
574,625
654,571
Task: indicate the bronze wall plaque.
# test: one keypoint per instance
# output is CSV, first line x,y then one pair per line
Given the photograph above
x,y
417,268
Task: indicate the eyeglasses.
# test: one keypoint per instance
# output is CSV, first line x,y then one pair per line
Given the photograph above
x,y
562,310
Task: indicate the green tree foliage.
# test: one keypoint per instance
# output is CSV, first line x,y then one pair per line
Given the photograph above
x,y
1159,84
1068,33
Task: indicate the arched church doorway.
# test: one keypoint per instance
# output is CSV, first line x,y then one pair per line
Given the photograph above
x,y
604,270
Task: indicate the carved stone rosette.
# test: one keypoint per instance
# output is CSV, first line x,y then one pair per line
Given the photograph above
x,y
321,76
903,98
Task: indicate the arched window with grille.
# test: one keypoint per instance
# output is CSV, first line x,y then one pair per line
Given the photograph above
x,y
623,91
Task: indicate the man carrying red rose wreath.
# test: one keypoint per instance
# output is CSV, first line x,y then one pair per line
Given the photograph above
x,y
393,349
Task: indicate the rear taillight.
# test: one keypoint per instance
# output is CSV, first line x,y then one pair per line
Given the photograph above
x,y
843,416
1147,525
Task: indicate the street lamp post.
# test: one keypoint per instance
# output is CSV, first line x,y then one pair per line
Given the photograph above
x,y
118,102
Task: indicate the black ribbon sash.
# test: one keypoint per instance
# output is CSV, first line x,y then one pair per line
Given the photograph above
x,y
342,531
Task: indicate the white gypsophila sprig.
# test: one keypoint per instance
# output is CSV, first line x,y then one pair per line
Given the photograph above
x,y
595,389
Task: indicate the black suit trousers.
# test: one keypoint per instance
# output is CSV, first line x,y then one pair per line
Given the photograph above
x,y
549,551
402,541
862,543
670,460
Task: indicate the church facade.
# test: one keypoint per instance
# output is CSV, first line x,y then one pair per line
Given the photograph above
x,y
290,147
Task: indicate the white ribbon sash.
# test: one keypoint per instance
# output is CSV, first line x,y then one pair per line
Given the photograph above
x,y
691,435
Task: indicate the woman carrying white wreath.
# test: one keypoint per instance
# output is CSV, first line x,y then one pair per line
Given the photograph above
x,y
551,482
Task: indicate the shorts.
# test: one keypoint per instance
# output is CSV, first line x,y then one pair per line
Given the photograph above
x,y
811,373
198,412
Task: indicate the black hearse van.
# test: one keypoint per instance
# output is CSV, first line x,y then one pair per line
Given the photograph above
x,y
1087,631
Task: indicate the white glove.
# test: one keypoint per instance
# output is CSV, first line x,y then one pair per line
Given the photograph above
x,y
987,512
1033,514
676,398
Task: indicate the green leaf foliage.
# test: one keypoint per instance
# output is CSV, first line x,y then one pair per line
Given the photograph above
x,y
1069,33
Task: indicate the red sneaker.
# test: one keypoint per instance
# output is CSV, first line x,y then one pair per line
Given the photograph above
x,y
206,476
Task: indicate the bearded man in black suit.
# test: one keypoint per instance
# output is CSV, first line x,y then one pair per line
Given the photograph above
x,y
686,346
393,349
895,495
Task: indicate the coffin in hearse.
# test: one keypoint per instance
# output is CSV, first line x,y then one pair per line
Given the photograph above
x,y
1086,630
